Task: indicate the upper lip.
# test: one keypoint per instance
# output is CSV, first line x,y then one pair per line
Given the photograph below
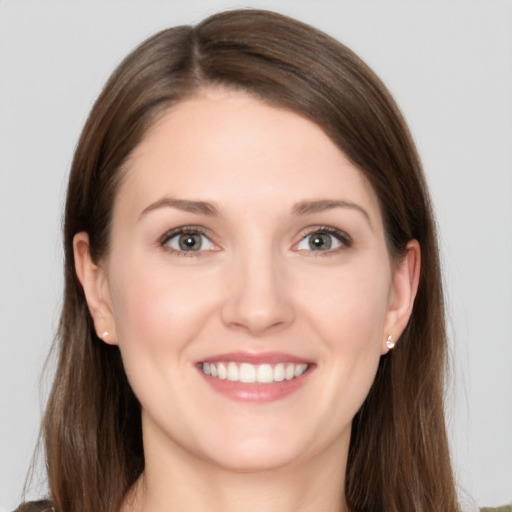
x,y
255,358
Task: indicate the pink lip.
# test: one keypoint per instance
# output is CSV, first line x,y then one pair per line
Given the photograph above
x,y
256,393
255,358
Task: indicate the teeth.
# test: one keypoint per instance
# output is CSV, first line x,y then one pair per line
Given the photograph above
x,y
279,372
264,373
233,372
300,369
250,373
222,371
247,373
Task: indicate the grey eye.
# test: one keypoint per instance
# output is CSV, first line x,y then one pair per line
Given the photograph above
x,y
319,241
189,242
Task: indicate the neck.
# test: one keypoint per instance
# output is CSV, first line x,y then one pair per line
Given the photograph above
x,y
184,483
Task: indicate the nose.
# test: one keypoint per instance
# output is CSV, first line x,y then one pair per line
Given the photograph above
x,y
258,297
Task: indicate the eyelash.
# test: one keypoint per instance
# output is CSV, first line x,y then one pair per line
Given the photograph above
x,y
337,234
184,230
345,240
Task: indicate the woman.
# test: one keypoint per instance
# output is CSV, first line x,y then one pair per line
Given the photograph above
x,y
245,220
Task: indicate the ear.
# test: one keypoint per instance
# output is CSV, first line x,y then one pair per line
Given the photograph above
x,y
406,276
94,282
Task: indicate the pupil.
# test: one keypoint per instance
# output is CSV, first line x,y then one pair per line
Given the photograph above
x,y
190,242
320,241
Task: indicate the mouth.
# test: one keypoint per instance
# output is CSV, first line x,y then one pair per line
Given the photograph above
x,y
248,373
252,377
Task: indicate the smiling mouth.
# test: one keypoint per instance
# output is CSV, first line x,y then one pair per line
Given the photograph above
x,y
253,373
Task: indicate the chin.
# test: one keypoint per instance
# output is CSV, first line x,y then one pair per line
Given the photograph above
x,y
257,462
257,454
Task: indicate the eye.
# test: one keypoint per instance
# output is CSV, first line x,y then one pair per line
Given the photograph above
x,y
188,241
323,240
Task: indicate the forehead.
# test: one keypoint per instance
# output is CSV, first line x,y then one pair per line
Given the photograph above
x,y
225,145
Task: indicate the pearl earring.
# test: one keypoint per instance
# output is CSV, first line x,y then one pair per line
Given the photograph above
x,y
104,334
389,342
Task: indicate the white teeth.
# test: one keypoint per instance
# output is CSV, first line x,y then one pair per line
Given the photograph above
x,y
250,373
233,372
247,373
300,369
279,372
222,371
290,371
264,373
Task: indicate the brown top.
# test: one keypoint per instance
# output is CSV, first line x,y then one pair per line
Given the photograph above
x,y
36,506
46,506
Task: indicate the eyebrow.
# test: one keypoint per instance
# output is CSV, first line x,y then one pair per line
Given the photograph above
x,y
211,210
186,205
321,205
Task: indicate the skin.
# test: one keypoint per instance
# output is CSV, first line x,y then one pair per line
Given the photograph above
x,y
257,285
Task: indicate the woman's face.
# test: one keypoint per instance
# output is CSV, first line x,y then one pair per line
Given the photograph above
x,y
245,245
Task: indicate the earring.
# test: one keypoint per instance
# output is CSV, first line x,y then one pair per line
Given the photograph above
x,y
389,342
104,334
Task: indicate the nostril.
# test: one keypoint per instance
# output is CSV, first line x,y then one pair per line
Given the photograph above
x,y
257,296
257,325
257,322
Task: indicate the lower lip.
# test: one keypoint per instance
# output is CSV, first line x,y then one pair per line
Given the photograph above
x,y
256,392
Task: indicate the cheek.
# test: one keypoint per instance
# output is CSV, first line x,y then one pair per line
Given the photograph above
x,y
140,314
351,305
157,315
355,337
158,307
349,316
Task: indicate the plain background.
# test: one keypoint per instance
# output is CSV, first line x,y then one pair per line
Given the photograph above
x,y
448,63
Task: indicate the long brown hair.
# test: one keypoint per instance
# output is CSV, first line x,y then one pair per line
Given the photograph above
x,y
398,457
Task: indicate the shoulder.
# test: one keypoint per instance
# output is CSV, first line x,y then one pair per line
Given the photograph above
x,y
36,506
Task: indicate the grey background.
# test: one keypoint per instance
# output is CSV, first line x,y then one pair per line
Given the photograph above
x,y
448,63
